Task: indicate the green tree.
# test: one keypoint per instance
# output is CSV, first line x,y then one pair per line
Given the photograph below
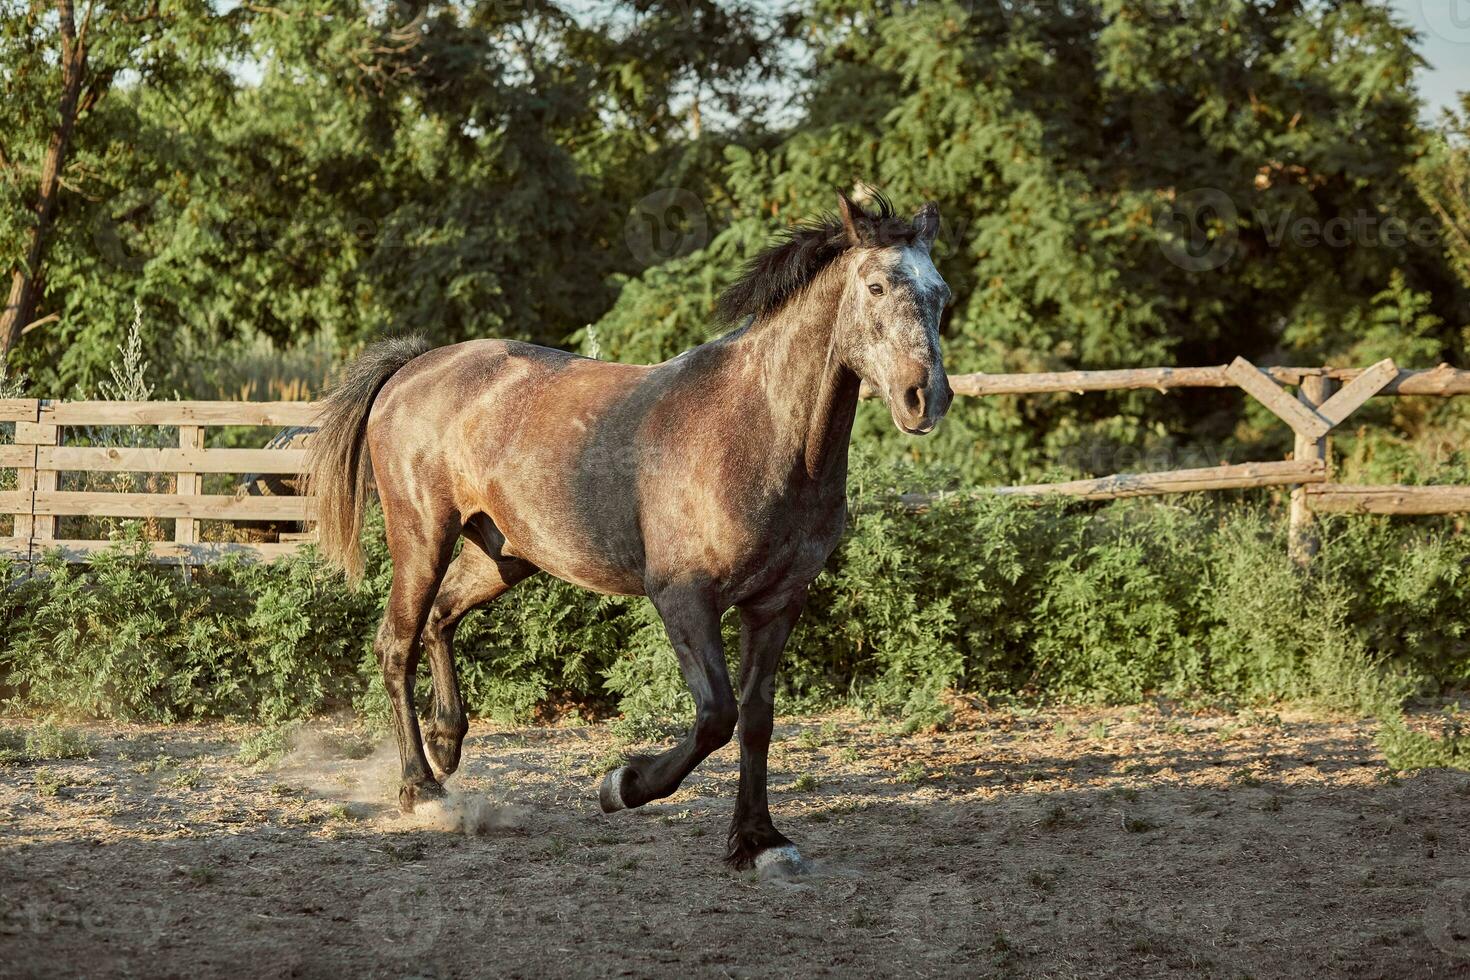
x,y
1122,182
61,154
320,168
1443,178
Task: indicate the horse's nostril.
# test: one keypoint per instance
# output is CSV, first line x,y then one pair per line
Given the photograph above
x,y
913,400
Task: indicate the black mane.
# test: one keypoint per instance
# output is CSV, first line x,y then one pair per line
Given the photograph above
x,y
800,254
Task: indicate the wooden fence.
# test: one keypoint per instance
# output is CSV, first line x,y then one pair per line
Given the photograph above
x,y
1325,398
40,456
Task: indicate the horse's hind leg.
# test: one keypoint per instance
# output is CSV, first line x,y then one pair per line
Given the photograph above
x,y
420,555
474,578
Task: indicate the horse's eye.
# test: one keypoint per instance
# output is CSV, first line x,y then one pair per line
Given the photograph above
x,y
875,288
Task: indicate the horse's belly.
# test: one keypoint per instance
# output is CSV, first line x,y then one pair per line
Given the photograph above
x,y
555,543
599,578
779,565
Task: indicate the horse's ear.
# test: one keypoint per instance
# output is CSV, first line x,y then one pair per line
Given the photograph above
x,y
926,223
855,220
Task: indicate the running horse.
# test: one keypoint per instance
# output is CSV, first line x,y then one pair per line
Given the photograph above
x,y
712,480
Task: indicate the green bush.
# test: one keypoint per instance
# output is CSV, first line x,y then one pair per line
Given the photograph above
x,y
1408,748
983,594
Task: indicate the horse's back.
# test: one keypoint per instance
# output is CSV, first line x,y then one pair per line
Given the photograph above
x,y
504,429
611,476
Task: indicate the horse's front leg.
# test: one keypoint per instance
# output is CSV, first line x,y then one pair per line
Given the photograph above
x,y
765,626
693,624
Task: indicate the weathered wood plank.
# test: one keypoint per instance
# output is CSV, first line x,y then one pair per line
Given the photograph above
x,y
35,434
1301,537
180,413
188,483
15,501
1389,499
1160,379
12,457
172,552
16,549
194,460
1232,477
1442,380
40,434
1239,476
210,506
19,409
1355,393
1303,421
25,486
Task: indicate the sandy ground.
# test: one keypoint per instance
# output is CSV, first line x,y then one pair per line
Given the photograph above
x,y
1124,843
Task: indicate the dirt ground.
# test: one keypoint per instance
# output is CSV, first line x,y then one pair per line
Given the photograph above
x,y
1121,843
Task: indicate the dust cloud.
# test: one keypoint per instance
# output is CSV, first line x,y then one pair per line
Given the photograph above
x,y
347,766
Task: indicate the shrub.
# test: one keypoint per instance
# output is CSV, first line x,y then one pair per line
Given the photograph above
x,y
1408,748
979,593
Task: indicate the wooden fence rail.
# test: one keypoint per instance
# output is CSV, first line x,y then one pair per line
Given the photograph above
x,y
1325,398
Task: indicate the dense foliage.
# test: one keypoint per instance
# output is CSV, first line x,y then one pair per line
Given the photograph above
x,y
325,167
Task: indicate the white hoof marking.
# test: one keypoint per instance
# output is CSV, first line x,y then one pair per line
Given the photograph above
x,y
615,787
785,860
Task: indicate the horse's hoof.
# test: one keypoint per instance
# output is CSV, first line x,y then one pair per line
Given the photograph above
x,y
443,754
780,862
610,793
411,793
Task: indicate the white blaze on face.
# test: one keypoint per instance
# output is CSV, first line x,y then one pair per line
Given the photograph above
x,y
919,268
912,271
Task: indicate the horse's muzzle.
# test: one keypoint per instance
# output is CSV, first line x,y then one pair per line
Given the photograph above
x,y
918,405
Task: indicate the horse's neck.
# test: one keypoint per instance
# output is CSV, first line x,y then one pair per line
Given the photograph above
x,y
812,395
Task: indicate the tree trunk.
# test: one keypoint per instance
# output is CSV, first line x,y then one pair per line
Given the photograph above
x,y
25,281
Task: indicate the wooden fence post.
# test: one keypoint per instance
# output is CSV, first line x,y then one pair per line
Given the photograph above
x,y
189,484
23,413
1302,541
39,529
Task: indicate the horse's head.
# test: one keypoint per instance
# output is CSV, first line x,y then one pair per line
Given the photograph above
x,y
888,322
